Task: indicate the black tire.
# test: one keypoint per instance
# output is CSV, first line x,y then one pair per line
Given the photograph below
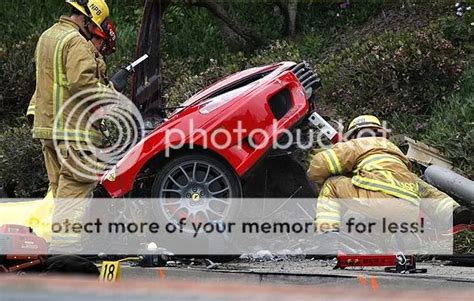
x,y
160,190
200,187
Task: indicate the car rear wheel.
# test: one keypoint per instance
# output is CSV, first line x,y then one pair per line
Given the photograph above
x,y
197,187
201,189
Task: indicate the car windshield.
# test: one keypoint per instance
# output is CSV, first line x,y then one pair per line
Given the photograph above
x,y
217,101
230,91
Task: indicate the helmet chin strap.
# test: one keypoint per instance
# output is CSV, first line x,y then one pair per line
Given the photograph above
x,y
85,5
84,29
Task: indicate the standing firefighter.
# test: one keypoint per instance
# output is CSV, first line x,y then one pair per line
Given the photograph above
x,y
367,174
67,66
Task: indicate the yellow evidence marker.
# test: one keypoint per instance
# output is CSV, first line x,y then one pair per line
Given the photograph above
x,y
110,271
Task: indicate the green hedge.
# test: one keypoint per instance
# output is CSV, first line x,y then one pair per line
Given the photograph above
x,y
450,127
21,161
402,73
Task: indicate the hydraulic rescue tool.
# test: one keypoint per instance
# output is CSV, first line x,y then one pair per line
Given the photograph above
x,y
120,79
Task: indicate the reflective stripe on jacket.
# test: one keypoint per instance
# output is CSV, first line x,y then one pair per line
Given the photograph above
x,y
101,74
374,164
65,66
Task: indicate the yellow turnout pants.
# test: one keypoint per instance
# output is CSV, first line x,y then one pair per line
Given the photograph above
x,y
71,185
338,195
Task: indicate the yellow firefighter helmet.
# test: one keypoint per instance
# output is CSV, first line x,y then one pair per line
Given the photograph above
x,y
97,10
361,122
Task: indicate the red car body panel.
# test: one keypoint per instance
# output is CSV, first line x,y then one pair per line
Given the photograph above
x,y
251,109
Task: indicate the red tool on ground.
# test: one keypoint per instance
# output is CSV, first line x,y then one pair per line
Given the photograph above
x,y
398,263
17,246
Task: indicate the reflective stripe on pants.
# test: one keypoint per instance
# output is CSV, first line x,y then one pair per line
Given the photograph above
x,y
338,195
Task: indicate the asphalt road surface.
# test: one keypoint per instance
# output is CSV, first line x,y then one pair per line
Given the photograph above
x,y
268,280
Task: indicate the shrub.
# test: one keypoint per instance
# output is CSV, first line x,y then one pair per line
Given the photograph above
x,y
276,51
17,70
21,162
334,14
401,73
313,44
451,128
182,24
191,31
457,27
22,23
463,242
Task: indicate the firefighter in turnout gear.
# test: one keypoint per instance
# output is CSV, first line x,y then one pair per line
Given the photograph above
x,y
102,44
66,65
367,174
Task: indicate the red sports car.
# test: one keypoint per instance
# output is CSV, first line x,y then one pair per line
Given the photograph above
x,y
219,144
217,136
221,140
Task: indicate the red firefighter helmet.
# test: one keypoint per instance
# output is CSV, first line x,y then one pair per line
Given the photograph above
x,y
109,35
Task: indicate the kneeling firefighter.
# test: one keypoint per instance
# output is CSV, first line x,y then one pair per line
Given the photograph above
x,y
367,174
370,175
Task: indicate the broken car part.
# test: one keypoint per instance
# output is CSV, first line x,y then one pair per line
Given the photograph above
x,y
425,155
323,126
451,183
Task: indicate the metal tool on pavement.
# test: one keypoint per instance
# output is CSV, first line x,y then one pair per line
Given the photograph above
x,y
398,263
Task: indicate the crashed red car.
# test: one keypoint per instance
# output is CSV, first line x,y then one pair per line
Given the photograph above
x,y
271,99
193,168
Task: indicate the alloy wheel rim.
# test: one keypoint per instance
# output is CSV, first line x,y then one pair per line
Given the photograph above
x,y
198,191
